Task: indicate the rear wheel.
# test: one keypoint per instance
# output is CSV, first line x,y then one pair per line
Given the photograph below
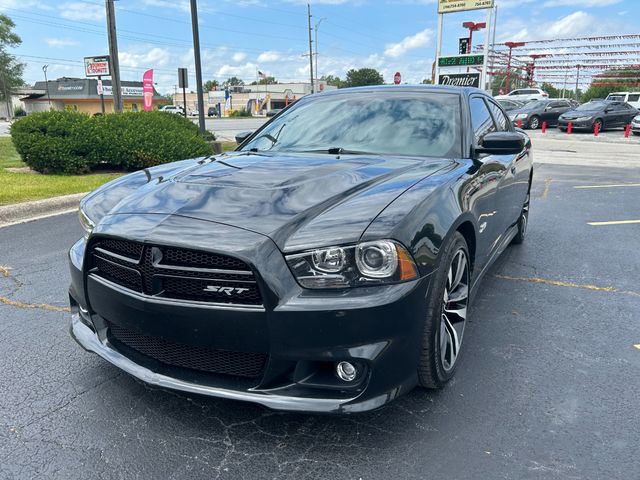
x,y
636,133
534,122
447,307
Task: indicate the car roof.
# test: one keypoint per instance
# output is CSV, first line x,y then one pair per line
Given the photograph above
x,y
406,89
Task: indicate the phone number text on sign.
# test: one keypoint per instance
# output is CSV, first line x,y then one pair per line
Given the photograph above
x,y
448,6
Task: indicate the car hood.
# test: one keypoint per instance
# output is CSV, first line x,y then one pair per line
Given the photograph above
x,y
582,113
299,200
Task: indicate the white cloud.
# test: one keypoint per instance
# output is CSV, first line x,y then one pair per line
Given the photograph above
x,y
239,56
156,57
246,71
420,39
82,11
576,23
580,3
269,56
60,42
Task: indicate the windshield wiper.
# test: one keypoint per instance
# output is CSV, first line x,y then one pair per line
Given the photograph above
x,y
336,151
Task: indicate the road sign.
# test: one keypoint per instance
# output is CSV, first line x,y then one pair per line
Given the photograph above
x,y
449,6
183,78
463,45
470,60
460,79
397,78
97,66
100,88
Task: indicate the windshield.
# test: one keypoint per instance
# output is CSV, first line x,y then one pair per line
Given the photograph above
x,y
534,105
618,98
590,106
420,124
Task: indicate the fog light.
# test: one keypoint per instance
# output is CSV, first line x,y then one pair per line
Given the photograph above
x,y
346,371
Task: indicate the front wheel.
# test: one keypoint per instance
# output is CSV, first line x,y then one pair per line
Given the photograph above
x,y
523,221
534,123
447,307
600,125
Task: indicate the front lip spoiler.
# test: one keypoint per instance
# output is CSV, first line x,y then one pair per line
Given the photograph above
x,y
88,339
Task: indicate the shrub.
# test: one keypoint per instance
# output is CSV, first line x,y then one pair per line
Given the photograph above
x,y
19,112
240,113
74,143
46,142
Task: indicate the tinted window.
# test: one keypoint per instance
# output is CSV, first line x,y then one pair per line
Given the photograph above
x,y
554,104
590,106
423,124
481,120
499,117
615,97
634,98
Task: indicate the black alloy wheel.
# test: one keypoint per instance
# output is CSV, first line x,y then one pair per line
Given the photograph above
x,y
447,309
600,123
523,221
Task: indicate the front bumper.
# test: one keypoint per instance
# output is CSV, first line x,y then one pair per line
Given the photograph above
x,y
563,124
303,333
635,127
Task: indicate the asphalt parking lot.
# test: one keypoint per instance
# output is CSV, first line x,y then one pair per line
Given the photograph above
x,y
547,386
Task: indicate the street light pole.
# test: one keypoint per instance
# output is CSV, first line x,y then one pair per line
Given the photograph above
x,y
196,52
46,82
511,46
310,47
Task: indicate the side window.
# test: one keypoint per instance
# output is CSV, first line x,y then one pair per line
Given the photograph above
x,y
554,105
634,97
499,117
481,120
515,93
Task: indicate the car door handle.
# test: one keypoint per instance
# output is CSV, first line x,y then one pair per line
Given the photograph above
x,y
513,169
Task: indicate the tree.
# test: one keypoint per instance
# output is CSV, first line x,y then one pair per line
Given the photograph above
x,y
332,80
10,70
363,77
614,80
211,85
265,81
233,82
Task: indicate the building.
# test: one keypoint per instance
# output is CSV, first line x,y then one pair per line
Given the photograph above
x,y
258,99
81,95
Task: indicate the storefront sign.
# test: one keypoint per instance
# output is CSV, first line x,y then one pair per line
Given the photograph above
x,y
461,61
126,91
449,6
97,66
460,79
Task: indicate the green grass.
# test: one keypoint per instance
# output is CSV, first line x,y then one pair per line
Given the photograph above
x,y
22,187
228,146
8,155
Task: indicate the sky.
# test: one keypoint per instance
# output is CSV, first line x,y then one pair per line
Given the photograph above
x,y
239,37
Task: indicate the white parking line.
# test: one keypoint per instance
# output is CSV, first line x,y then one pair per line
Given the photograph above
x,y
616,222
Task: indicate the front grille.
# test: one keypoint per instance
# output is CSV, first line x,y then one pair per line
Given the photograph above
x,y
171,272
225,362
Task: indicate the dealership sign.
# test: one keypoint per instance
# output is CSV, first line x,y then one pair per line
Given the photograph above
x,y
450,6
460,79
97,66
471,60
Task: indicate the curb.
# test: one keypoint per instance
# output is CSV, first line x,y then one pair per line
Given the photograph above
x,y
37,209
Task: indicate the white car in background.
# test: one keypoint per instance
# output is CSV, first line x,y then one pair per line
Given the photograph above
x,y
632,98
172,109
524,94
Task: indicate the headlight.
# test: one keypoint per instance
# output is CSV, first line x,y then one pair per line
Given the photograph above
x,y
367,263
521,116
86,223
583,119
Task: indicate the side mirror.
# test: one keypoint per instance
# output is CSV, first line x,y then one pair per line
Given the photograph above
x,y
502,143
242,136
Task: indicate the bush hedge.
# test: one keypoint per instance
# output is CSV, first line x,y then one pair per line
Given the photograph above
x,y
71,142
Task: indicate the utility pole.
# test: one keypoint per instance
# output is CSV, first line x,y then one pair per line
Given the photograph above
x,y
316,39
196,52
116,86
310,47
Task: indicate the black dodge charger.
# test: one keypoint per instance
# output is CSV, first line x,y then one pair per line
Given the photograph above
x,y
325,265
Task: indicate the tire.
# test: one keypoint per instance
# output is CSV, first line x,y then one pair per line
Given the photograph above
x,y
441,343
636,133
523,221
534,122
600,123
